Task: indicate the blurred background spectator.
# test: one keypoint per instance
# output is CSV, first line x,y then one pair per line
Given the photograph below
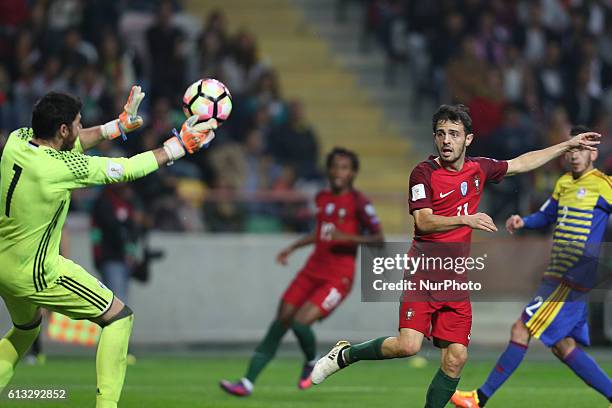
x,y
117,228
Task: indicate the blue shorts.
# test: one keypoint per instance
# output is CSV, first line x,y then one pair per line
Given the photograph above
x,y
557,312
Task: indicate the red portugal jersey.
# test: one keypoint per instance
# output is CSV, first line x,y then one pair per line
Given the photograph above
x,y
350,212
451,193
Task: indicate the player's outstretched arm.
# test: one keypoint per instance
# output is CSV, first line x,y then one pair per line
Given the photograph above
x,y
127,121
427,222
532,160
282,256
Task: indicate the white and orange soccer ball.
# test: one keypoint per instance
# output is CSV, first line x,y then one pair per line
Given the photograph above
x,y
208,99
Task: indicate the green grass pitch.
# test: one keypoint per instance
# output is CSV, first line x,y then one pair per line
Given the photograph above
x,y
191,381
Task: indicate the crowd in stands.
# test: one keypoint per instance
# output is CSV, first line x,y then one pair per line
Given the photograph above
x,y
253,175
527,69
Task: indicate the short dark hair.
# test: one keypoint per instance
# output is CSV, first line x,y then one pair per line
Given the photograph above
x,y
578,129
454,113
341,151
53,110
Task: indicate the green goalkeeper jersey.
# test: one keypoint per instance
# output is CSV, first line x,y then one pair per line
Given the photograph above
x,y
35,186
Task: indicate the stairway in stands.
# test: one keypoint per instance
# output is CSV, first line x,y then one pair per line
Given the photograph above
x,y
344,110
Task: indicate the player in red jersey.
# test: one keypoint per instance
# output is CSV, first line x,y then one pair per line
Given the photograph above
x,y
345,219
444,195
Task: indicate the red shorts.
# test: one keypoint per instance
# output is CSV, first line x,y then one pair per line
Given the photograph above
x,y
324,293
446,322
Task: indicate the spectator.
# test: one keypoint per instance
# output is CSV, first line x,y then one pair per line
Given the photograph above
x,y
489,40
261,172
118,66
23,94
50,78
25,54
230,166
446,45
600,71
224,213
117,224
99,18
295,144
554,15
6,112
76,52
550,77
243,69
571,38
465,71
213,44
212,53
267,94
167,52
62,15
517,76
581,104
532,38
487,109
516,134
91,89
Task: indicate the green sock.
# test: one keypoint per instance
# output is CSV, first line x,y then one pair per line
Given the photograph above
x,y
306,338
12,347
111,361
440,390
369,350
266,350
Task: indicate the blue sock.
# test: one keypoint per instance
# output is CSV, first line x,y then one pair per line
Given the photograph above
x,y
587,369
508,362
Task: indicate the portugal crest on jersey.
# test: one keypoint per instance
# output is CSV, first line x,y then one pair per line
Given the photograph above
x,y
464,188
477,183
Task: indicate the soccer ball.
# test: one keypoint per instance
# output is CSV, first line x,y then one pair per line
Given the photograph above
x,y
208,99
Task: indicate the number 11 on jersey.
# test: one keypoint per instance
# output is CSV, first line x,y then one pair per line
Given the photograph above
x,y
463,207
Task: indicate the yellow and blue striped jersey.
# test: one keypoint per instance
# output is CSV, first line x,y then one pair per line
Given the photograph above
x,y
579,208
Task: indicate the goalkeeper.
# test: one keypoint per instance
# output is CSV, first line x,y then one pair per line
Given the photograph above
x,y
40,167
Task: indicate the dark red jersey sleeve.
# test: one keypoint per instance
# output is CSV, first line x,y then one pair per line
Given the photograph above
x,y
420,192
366,215
494,170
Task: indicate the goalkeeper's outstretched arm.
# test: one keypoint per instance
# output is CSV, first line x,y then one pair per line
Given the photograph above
x,y
81,170
127,122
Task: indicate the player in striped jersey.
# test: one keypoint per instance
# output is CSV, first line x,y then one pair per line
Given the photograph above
x,y
579,209
40,167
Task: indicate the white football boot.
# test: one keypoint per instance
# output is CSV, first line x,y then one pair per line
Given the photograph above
x,y
330,363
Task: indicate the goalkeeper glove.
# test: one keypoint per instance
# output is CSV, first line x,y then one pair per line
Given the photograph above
x,y
128,120
191,139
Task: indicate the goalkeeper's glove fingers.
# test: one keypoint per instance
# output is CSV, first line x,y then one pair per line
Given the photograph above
x,y
191,138
128,119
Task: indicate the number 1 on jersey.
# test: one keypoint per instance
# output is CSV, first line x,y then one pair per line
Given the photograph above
x,y
465,209
17,169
